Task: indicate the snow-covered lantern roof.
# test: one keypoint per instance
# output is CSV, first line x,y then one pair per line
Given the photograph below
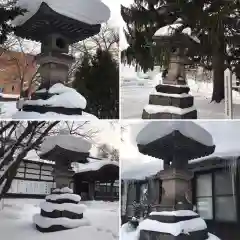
x,y
175,142
74,19
175,34
66,148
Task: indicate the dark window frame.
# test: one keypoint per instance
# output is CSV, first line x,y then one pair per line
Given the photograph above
x,y
236,190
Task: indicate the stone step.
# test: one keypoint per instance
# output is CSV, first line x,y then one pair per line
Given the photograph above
x,y
166,115
178,89
58,214
181,102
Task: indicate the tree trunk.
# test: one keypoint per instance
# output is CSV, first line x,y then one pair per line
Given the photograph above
x,y
218,78
218,68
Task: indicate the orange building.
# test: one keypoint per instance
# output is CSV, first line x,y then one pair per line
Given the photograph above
x,y
16,69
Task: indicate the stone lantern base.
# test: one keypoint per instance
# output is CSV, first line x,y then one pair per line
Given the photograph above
x,y
178,225
60,211
170,102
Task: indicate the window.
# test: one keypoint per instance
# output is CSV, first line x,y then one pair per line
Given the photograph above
x,y
13,87
225,200
204,196
216,191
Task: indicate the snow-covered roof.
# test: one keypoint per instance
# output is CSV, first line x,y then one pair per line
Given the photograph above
x,y
155,130
93,165
90,11
32,155
70,142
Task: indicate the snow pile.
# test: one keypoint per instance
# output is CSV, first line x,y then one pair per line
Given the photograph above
x,y
63,190
70,142
63,97
154,130
50,207
55,197
91,11
44,222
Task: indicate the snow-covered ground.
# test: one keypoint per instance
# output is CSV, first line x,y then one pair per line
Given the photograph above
x,y
135,95
16,221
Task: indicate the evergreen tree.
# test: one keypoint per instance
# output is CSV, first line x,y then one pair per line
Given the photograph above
x,y
97,79
215,23
8,11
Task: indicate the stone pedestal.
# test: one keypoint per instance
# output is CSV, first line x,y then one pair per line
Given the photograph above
x,y
170,227
170,102
176,194
61,211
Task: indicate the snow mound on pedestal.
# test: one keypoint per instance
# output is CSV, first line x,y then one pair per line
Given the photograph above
x,y
70,142
151,109
174,229
45,222
159,129
63,190
179,213
75,208
91,11
64,97
55,197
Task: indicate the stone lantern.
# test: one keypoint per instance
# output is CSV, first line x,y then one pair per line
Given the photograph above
x,y
57,24
175,143
172,100
62,209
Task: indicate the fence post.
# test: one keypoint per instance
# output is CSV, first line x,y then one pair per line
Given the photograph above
x,y
228,94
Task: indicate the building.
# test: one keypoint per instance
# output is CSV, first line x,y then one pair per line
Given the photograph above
x,y
97,180
34,179
15,66
215,195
